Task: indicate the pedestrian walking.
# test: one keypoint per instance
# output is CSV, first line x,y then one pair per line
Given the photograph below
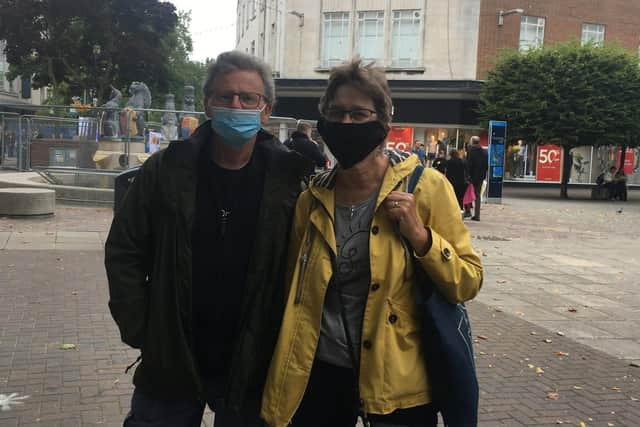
x,y
456,174
440,162
350,342
418,150
477,164
302,143
194,257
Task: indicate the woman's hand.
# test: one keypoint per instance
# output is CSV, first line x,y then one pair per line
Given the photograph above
x,y
401,209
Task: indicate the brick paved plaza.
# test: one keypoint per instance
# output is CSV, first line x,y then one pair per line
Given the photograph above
x,y
557,322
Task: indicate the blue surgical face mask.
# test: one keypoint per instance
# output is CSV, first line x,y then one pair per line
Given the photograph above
x,y
235,126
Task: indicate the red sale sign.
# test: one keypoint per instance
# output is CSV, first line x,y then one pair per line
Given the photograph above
x,y
549,163
629,159
400,138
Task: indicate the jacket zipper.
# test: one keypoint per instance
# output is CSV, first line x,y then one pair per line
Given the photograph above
x,y
304,260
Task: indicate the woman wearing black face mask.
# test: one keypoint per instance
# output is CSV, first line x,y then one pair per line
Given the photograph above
x,y
349,343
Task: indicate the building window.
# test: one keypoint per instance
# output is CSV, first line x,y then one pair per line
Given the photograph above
x,y
405,38
593,33
253,47
531,33
335,38
371,35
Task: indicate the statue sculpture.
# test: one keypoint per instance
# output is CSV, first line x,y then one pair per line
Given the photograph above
x,y
110,125
169,119
140,98
188,122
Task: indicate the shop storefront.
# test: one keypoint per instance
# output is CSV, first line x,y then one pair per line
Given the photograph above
x,y
543,163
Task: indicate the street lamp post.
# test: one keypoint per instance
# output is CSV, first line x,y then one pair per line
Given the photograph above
x,y
97,49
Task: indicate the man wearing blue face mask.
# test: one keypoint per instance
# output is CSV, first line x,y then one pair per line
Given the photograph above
x,y
195,257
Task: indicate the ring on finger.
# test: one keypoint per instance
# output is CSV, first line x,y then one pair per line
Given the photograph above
x,y
396,204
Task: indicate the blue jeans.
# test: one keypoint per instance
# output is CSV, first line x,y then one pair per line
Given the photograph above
x,y
149,412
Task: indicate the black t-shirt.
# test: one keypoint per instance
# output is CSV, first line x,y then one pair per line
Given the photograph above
x,y
223,235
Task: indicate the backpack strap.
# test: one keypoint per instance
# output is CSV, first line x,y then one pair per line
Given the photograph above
x,y
415,177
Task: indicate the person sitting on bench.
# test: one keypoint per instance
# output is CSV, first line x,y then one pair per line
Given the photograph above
x,y
620,186
608,181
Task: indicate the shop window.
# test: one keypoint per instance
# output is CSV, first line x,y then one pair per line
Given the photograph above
x,y
405,38
531,32
593,33
371,35
335,38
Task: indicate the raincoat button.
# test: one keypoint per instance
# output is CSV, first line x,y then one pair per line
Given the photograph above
x,y
446,253
366,344
375,287
393,318
375,229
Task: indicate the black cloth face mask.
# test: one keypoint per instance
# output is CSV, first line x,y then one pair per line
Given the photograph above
x,y
350,143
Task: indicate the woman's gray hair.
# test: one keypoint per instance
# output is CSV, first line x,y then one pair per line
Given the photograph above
x,y
368,79
235,60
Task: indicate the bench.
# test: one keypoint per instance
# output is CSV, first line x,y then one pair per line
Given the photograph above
x,y
27,201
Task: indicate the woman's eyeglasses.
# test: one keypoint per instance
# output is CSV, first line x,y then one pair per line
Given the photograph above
x,y
358,115
247,99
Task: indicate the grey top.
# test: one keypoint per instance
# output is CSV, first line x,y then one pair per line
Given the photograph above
x,y
349,284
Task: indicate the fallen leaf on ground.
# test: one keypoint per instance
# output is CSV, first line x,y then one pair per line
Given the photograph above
x,y
572,310
67,346
560,333
615,388
482,337
539,371
553,396
530,366
548,341
635,364
533,333
634,399
582,424
482,353
577,387
561,354
610,424
502,281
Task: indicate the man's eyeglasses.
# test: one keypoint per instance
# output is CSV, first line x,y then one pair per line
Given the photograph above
x,y
358,115
247,99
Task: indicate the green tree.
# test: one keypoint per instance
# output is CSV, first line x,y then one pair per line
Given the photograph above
x,y
567,94
87,44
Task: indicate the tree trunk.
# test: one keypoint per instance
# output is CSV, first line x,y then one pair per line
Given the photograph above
x,y
567,164
623,153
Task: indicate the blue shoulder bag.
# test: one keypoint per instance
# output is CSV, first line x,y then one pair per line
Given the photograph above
x,y
448,344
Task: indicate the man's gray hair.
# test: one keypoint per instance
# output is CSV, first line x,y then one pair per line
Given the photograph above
x,y
235,60
475,140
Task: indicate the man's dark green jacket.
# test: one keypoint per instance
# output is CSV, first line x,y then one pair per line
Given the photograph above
x,y
148,263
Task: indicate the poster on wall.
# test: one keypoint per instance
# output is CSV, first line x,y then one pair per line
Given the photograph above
x,y
629,160
549,163
400,138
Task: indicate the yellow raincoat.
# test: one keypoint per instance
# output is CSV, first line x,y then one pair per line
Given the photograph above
x,y
392,368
